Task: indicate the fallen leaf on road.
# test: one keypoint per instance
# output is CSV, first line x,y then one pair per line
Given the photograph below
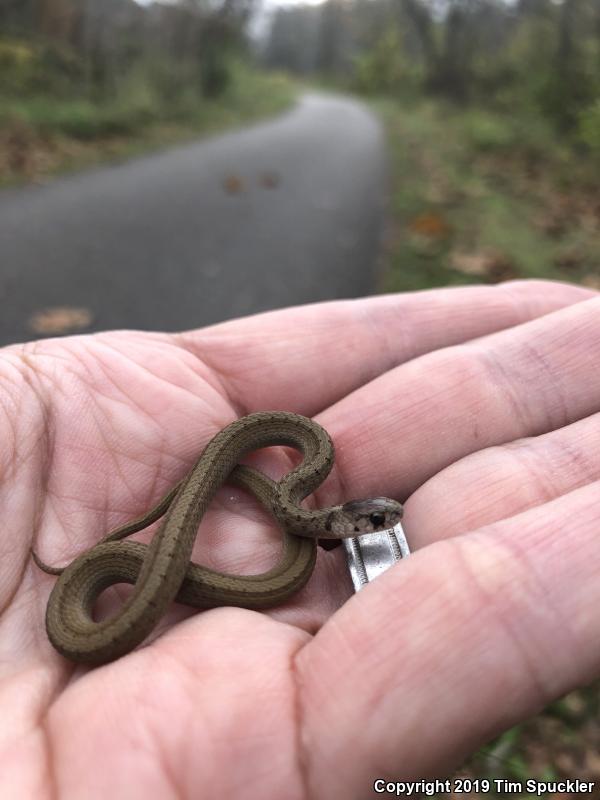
x,y
232,184
269,180
61,319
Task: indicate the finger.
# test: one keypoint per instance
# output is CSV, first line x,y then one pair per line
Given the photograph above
x,y
396,432
460,642
501,481
305,358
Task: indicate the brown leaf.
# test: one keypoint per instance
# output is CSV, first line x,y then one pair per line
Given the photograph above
x,y
431,225
569,259
470,263
592,282
233,184
494,265
61,319
269,179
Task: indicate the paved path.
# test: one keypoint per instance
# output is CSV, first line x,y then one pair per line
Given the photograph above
x,y
284,212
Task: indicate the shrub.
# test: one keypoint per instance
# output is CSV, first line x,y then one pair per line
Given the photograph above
x,y
383,68
38,68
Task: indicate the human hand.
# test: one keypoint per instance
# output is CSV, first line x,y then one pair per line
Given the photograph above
x,y
492,439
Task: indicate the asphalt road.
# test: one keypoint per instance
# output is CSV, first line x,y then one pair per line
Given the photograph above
x,y
284,212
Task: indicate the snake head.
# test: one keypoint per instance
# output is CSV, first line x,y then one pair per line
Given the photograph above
x,y
370,516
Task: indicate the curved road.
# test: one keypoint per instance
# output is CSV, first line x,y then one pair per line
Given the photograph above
x,y
288,211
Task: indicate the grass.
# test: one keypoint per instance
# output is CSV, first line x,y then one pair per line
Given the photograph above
x,y
41,136
479,197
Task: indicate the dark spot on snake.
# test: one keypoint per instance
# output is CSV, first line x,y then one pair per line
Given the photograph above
x,y
377,519
356,529
329,544
328,521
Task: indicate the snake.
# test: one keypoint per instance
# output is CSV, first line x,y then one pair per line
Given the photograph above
x,y
162,571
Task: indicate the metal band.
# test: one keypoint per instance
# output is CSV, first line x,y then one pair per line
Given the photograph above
x,y
370,555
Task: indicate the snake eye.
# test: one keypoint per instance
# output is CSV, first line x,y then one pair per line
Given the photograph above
x,y
377,519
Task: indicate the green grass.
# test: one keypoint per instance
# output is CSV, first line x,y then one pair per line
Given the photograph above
x,y
41,136
481,197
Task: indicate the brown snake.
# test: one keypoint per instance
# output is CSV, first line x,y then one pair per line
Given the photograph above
x,y
162,572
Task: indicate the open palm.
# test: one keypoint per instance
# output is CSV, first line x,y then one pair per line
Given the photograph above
x,y
481,404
